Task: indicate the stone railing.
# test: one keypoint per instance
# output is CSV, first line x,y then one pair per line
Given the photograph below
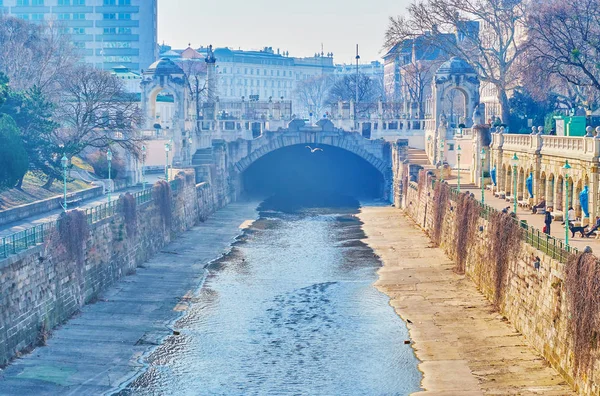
x,y
571,147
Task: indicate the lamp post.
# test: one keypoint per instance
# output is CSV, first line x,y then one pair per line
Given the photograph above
x,y
458,150
442,160
566,168
109,158
167,149
482,178
65,163
143,167
515,162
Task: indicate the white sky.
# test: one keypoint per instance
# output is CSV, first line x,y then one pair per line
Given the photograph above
x,y
296,26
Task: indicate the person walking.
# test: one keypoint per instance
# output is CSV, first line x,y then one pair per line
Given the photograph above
x,y
548,221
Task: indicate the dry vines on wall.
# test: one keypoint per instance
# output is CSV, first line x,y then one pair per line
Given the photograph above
x,y
161,194
505,245
583,297
442,194
128,207
467,216
73,231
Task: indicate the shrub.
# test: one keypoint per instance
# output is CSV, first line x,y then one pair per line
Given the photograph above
x,y
161,194
128,207
583,298
467,216
73,231
442,193
98,161
13,157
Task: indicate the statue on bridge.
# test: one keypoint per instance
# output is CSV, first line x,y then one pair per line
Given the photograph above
x,y
479,114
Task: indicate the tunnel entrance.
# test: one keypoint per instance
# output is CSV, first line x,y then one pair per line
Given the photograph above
x,y
313,175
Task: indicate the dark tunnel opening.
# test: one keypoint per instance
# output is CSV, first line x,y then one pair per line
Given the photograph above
x,y
327,177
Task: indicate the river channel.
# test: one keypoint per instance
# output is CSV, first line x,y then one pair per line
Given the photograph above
x,y
291,310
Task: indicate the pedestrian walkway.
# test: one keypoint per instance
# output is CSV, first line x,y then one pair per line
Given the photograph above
x,y
30,222
536,220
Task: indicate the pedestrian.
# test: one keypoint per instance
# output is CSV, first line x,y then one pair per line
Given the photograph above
x,y
596,226
548,221
540,205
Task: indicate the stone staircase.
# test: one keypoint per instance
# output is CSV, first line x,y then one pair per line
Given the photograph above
x,y
419,157
203,157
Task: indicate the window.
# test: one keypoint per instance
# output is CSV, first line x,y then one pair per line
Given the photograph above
x,y
110,30
79,44
23,3
78,30
79,2
125,16
109,16
23,16
64,17
64,2
37,2
79,16
124,30
116,44
450,145
37,17
110,2
124,2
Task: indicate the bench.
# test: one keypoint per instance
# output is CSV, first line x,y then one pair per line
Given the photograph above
x,y
500,194
558,216
523,204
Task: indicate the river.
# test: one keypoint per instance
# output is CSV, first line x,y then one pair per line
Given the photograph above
x,y
291,310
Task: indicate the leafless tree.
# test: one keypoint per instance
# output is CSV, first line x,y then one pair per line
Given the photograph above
x,y
313,93
492,48
96,112
370,91
195,74
417,79
564,41
35,54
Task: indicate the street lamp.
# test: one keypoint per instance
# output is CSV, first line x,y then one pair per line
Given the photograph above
x,y
482,179
109,157
515,162
458,150
167,149
143,167
566,168
442,160
65,163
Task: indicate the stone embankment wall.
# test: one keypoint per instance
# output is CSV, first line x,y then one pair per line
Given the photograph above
x,y
533,300
44,286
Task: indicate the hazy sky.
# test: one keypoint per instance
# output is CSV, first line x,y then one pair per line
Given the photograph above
x,y
298,26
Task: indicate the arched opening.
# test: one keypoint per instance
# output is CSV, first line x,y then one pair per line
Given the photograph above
x,y
161,103
454,105
542,194
560,193
521,185
314,176
510,189
576,202
550,184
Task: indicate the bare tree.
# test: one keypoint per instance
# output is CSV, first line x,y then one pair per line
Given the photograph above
x,y
195,74
417,78
370,91
35,54
485,33
565,41
96,112
313,93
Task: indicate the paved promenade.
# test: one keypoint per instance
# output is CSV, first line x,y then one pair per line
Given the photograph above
x,y
557,229
49,216
465,347
102,347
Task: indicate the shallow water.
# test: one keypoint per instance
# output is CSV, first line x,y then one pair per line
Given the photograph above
x,y
290,311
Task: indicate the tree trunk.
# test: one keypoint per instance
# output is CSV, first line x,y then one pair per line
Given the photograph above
x,y
19,185
49,183
504,106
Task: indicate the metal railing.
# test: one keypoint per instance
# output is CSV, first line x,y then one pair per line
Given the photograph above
x,y
23,240
549,245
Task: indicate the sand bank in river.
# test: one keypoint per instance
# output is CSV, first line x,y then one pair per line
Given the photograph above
x,y
465,347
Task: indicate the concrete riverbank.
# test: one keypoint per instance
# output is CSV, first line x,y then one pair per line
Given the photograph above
x,y
465,347
102,347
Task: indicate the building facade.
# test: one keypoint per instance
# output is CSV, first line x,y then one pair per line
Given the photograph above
x,y
108,33
261,75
